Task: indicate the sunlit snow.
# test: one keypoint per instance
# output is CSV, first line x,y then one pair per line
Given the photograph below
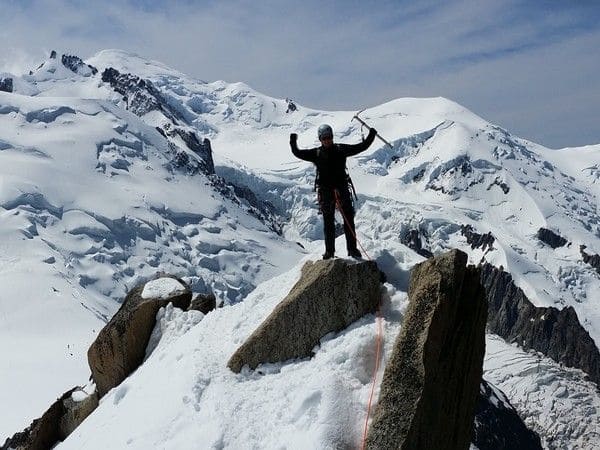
x,y
91,205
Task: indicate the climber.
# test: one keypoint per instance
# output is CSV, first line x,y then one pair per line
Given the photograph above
x,y
333,184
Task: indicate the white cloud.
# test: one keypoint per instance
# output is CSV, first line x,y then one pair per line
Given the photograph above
x,y
17,61
505,60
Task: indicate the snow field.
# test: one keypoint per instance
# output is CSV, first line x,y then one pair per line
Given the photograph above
x,y
91,205
556,402
193,400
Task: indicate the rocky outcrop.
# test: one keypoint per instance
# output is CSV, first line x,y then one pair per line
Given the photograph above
x,y
245,198
141,95
121,345
203,149
591,259
76,411
551,238
556,333
412,240
117,351
476,240
431,382
501,184
204,303
76,64
56,423
183,162
291,106
498,426
6,84
329,296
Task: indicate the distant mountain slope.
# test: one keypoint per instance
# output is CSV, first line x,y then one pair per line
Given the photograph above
x,y
118,167
93,200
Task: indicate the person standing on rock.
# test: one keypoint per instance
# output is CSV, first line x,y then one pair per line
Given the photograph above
x,y
333,184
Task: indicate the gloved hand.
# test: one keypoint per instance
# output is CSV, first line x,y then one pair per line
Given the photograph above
x,y
293,138
372,132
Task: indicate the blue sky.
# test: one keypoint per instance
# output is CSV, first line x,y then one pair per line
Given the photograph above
x,y
529,66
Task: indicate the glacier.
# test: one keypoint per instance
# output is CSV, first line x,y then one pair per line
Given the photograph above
x,y
100,191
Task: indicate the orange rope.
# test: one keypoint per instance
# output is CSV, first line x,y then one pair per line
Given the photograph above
x,y
379,330
339,205
377,357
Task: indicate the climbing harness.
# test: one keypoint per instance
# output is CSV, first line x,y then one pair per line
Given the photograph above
x,y
349,182
378,320
351,187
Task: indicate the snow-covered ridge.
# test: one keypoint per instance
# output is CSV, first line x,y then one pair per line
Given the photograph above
x,y
93,200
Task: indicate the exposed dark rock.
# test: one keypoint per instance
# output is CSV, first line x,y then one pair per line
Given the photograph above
x,y
291,106
6,84
121,345
502,184
43,433
592,260
76,412
263,209
181,161
556,333
461,170
204,303
63,416
412,240
551,238
483,241
329,296
511,147
244,197
431,382
418,176
203,149
141,95
53,54
498,426
246,193
76,64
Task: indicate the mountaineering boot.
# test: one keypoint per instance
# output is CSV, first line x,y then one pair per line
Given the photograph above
x,y
327,255
354,253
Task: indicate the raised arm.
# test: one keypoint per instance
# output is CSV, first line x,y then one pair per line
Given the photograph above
x,y
351,150
306,155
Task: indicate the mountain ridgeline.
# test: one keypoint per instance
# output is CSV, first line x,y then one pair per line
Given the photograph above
x,y
117,168
437,408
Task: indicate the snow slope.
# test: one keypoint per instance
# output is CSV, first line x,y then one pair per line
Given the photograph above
x,y
556,402
312,403
90,205
92,202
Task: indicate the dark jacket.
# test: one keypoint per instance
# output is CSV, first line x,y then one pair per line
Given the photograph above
x,y
331,162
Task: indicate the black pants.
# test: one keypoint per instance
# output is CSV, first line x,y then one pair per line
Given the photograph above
x,y
327,203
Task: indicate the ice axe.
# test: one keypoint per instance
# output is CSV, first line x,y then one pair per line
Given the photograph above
x,y
369,127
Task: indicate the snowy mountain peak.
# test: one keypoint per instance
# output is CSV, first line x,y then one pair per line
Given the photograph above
x,y
108,177
129,62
